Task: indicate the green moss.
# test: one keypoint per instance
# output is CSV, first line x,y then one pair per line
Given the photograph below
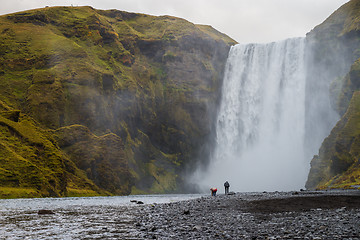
x,y
165,181
348,85
29,159
337,164
102,158
216,34
71,192
136,191
349,180
352,22
14,192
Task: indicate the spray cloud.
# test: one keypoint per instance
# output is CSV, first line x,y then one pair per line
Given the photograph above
x,y
261,120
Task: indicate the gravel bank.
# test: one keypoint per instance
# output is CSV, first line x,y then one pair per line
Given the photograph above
x,y
289,215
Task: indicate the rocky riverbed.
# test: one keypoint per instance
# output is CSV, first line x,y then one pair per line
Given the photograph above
x,y
276,215
290,215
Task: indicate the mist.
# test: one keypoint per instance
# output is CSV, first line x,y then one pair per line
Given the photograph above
x,y
274,113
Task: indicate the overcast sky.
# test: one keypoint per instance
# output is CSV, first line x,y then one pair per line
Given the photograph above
x,y
243,20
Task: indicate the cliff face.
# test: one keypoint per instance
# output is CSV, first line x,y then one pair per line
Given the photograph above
x,y
336,51
31,163
127,99
337,164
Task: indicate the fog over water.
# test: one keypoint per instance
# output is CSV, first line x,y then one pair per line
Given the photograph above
x,y
260,131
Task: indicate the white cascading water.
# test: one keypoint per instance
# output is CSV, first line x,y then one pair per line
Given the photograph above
x,y
261,121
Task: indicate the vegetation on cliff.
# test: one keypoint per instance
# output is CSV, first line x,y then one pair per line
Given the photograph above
x,y
338,165
31,163
90,80
336,46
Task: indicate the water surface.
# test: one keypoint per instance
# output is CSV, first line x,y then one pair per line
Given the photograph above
x,y
77,218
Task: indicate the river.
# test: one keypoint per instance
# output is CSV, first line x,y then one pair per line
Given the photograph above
x,y
77,218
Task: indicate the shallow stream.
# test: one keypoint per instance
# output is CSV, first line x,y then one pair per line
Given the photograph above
x,y
77,218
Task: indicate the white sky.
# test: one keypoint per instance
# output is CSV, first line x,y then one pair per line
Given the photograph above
x,y
243,20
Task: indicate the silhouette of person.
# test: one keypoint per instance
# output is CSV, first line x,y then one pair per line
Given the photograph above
x,y
227,186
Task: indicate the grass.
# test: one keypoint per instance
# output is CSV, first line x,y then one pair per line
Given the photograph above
x,y
13,192
165,180
72,192
30,160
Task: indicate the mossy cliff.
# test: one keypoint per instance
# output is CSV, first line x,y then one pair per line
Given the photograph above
x,y
337,164
336,48
123,102
31,163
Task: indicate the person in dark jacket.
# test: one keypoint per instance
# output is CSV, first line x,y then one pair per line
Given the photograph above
x,y
226,185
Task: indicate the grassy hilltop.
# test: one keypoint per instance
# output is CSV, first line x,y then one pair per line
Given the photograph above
x,y
104,102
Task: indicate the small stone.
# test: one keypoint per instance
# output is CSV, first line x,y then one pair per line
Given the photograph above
x,y
187,212
341,209
196,228
139,202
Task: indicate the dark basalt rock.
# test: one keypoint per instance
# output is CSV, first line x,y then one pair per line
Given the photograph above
x,y
45,212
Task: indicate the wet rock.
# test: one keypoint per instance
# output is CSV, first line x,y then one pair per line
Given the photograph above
x,y
258,216
45,212
196,228
139,202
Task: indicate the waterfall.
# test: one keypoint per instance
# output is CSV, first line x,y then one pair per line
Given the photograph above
x,y
261,120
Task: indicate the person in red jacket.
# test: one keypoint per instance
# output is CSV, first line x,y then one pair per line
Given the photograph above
x,y
213,191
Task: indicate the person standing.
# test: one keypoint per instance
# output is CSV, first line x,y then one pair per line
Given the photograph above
x,y
226,185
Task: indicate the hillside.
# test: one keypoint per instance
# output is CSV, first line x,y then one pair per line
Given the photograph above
x,y
105,102
337,52
32,165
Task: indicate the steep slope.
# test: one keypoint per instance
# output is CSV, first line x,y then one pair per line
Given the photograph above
x,y
336,47
337,164
102,157
32,165
148,85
